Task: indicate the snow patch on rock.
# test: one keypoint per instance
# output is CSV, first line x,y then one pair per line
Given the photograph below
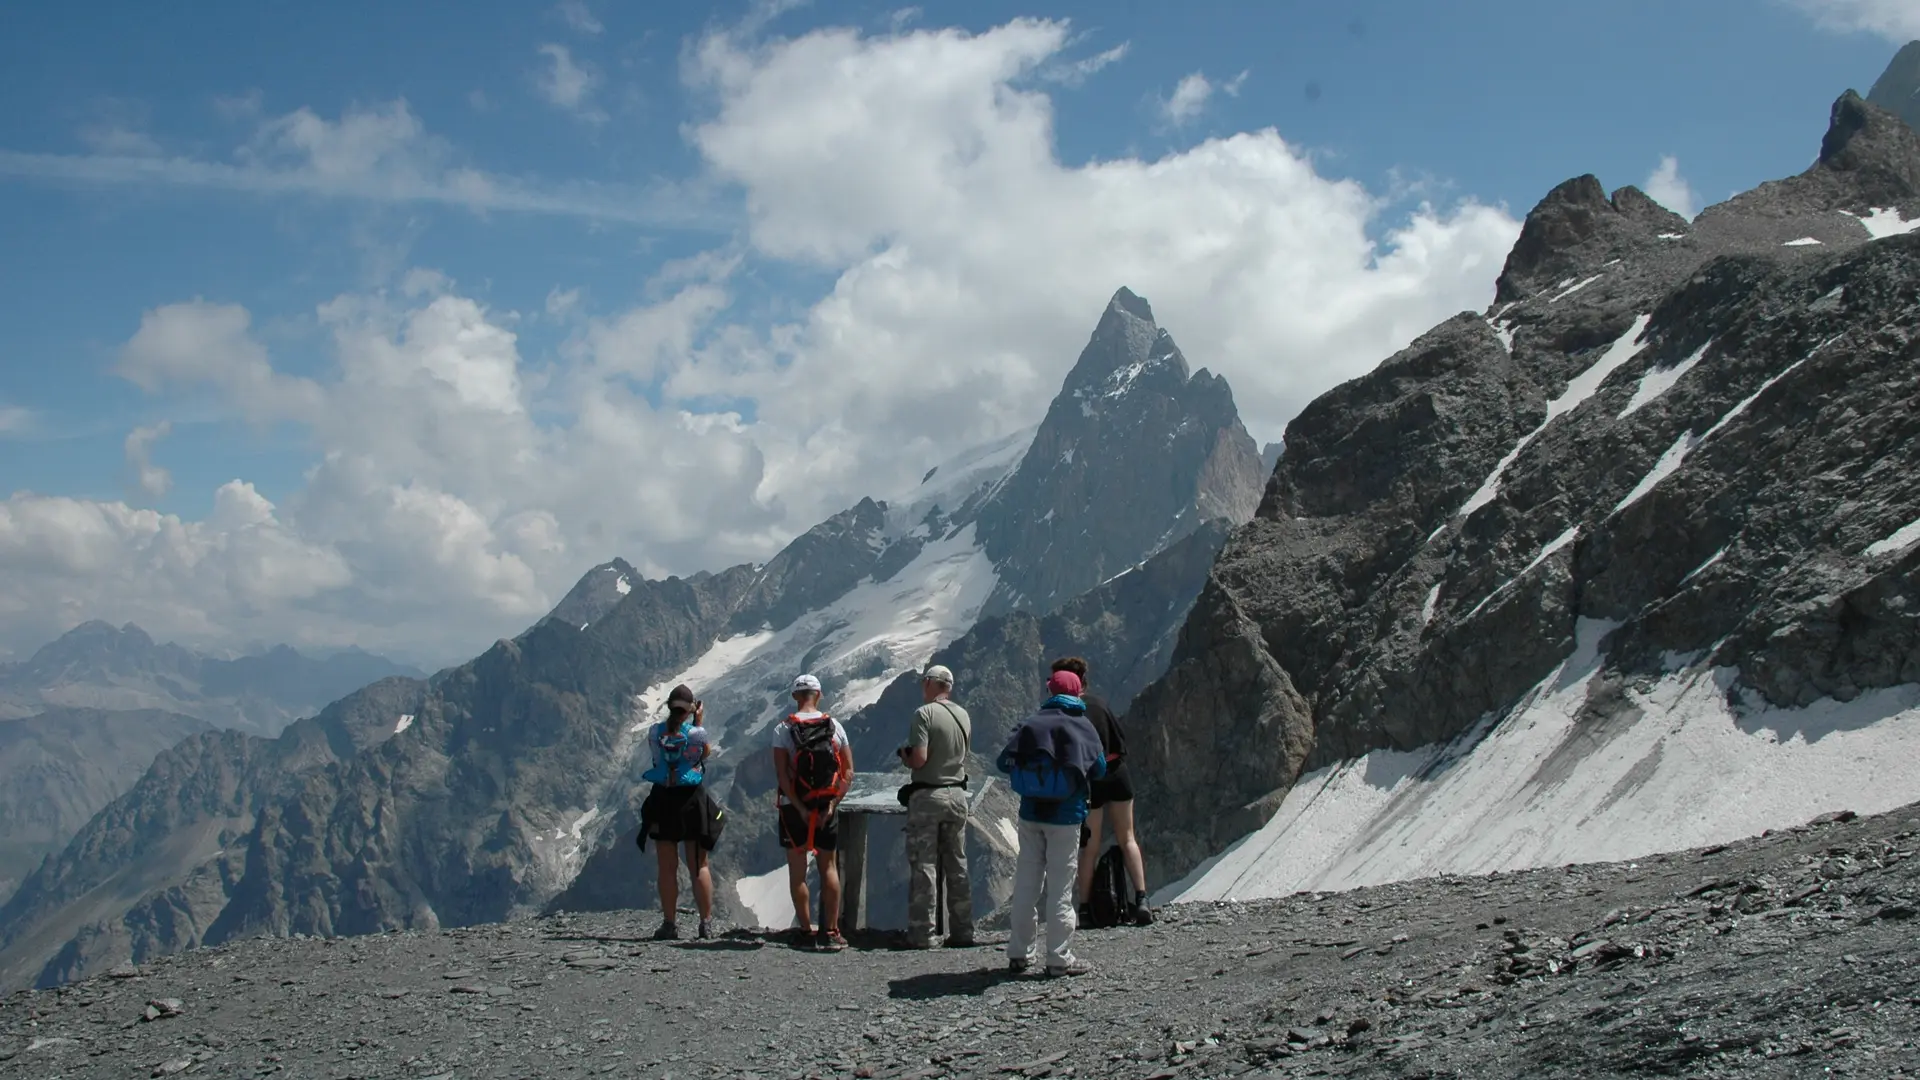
x,y
1658,381
1575,288
1668,464
1582,387
1885,221
1903,538
1552,546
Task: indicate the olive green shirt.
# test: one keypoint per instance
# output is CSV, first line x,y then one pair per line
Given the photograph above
x,y
945,730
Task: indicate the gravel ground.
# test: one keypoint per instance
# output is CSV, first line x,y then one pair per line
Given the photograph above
x,y
1789,955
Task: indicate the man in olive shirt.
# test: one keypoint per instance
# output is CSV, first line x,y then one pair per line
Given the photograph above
x,y
936,751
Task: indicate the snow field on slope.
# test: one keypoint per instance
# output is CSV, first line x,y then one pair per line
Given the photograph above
x,y
958,477
1676,769
873,634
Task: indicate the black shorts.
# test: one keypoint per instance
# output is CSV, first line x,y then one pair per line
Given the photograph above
x,y
793,829
677,815
1113,787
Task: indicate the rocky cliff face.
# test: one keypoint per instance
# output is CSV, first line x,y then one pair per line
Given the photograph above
x,y
511,784
1693,447
1898,88
1068,519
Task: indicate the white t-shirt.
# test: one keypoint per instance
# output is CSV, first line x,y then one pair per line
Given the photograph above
x,y
783,737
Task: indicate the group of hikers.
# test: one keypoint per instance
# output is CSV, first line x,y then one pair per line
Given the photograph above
x,y
1066,762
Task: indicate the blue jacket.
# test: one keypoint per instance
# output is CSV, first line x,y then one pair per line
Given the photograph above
x,y
1051,759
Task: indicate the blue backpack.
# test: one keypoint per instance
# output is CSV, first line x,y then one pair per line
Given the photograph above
x,y
671,767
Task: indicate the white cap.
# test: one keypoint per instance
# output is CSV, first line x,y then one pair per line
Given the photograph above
x,y
806,682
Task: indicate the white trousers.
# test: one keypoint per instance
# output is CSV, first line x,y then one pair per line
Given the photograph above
x,y
1044,879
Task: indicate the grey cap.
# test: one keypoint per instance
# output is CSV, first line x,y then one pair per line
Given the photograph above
x,y
939,673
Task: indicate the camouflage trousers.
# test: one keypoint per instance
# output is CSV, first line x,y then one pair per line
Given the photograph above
x,y
937,849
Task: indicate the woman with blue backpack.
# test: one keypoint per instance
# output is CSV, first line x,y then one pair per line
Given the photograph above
x,y
678,811
1051,762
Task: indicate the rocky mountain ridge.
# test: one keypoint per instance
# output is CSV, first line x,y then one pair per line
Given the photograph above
x,y
511,783
1670,450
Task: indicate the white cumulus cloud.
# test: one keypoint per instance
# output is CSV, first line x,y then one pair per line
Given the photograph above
x,y
1667,187
150,478
456,492
1896,20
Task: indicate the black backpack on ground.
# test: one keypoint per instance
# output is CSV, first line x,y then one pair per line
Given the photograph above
x,y
1107,898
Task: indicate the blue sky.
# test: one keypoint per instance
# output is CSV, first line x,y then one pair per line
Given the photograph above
x,y
588,178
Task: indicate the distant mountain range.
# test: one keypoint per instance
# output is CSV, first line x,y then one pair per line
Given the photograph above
x,y
82,719
98,666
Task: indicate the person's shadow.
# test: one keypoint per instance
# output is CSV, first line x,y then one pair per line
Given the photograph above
x,y
941,984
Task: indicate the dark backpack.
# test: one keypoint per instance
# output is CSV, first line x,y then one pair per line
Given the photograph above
x,y
1106,898
816,764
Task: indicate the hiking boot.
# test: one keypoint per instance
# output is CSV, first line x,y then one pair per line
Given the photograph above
x,y
1140,915
960,941
831,941
1076,966
801,937
1018,965
669,931
910,943
706,930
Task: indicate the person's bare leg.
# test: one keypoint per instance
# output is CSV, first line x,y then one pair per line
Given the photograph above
x,y
797,886
669,865
702,875
1121,814
829,891
1089,854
